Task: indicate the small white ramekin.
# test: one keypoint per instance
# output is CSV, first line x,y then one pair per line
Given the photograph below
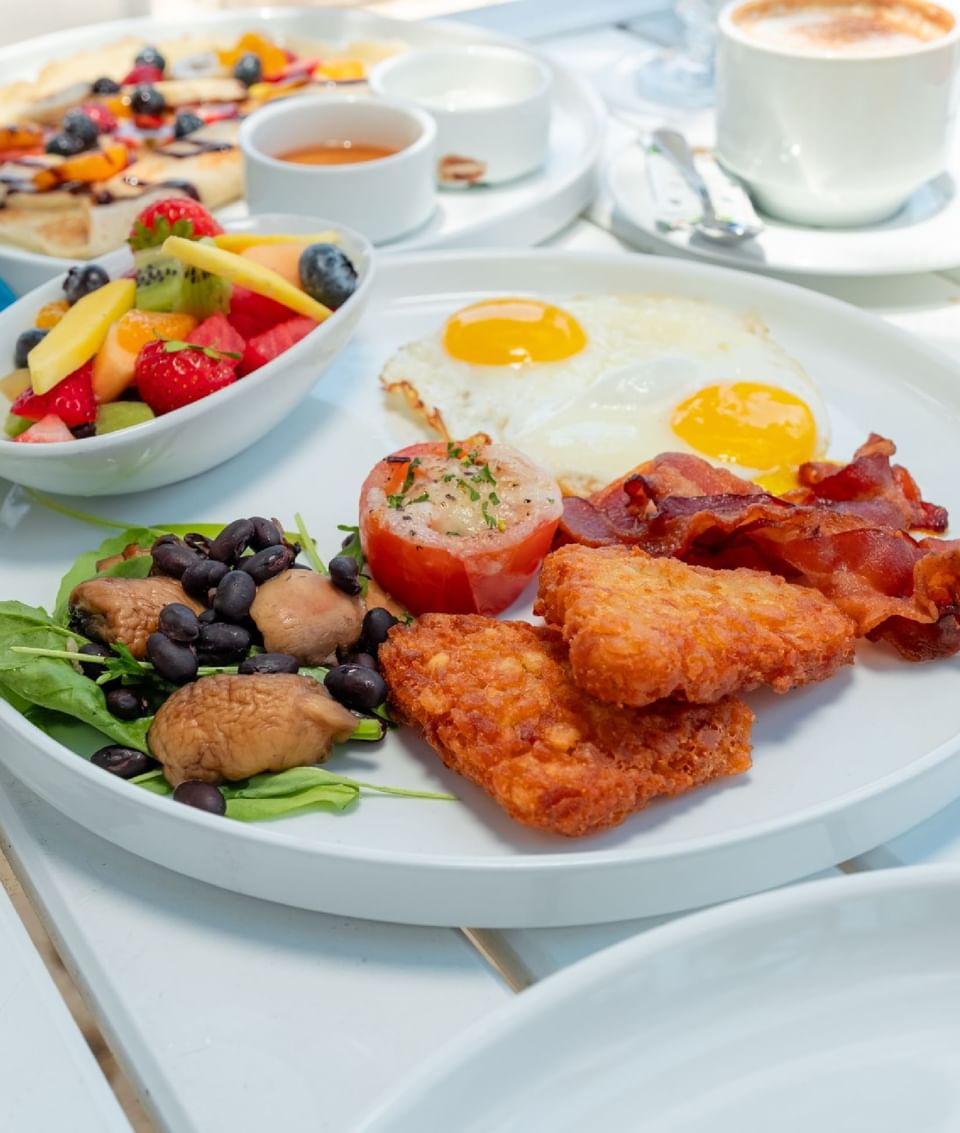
x,y
491,104
382,199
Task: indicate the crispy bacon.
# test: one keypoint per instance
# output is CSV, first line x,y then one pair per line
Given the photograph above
x,y
845,531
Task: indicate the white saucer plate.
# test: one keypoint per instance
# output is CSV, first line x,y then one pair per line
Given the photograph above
x,y
838,767
519,213
833,1006
923,236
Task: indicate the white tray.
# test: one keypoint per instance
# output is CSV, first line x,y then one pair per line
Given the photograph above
x,y
838,767
518,214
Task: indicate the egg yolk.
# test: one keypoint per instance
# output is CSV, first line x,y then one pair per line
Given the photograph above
x,y
750,424
504,332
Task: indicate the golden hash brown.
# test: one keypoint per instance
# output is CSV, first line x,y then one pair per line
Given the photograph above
x,y
498,703
641,628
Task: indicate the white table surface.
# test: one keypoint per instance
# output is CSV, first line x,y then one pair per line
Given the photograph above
x,y
229,1013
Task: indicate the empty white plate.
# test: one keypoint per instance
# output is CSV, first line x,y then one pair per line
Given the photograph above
x,y
832,1006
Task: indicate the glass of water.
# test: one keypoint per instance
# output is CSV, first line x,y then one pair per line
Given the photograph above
x,y
678,77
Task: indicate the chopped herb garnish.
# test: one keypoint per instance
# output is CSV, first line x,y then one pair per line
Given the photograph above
x,y
469,489
494,498
395,502
411,474
421,499
448,477
454,451
485,476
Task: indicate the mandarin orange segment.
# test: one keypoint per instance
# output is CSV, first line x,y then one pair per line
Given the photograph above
x,y
50,314
272,58
20,137
95,166
341,70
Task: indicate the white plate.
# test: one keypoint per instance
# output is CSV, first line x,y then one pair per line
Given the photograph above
x,y
923,236
839,767
832,1006
518,214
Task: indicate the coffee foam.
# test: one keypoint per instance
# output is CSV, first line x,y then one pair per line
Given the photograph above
x,y
841,28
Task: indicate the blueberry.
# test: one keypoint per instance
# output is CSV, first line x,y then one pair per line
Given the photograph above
x,y
105,86
65,145
25,343
248,69
81,126
204,796
82,280
151,57
327,275
146,99
185,123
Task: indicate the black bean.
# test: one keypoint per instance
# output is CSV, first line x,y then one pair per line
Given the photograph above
x,y
235,595
377,623
125,762
223,644
94,649
178,622
207,617
356,687
126,703
265,533
173,558
202,576
345,573
204,796
364,660
200,543
174,662
268,563
232,541
270,663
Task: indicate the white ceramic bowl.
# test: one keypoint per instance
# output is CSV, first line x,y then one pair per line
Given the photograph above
x,y
200,436
383,199
491,105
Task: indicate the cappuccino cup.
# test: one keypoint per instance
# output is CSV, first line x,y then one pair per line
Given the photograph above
x,y
835,112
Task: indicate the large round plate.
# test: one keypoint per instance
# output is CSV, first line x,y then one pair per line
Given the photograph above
x,y
834,1005
521,213
923,236
839,767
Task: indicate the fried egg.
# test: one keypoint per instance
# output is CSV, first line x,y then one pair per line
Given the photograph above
x,y
596,386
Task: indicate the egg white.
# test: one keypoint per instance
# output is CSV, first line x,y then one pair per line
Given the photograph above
x,y
590,418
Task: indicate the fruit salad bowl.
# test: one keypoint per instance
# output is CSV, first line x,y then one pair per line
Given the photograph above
x,y
183,441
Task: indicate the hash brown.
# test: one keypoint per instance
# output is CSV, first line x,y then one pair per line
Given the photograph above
x,y
641,628
498,702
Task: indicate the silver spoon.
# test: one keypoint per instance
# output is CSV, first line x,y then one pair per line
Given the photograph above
x,y
675,147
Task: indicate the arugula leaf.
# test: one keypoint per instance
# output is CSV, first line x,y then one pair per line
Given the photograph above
x,y
53,683
325,796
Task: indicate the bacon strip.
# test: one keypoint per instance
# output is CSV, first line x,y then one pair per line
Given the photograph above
x,y
845,531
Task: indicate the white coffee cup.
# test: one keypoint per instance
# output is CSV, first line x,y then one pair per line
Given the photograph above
x,y
383,199
491,104
834,134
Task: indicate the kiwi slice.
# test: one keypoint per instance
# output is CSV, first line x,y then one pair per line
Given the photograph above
x,y
114,415
165,283
14,425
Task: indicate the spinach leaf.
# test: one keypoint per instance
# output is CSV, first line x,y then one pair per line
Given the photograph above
x,y
53,683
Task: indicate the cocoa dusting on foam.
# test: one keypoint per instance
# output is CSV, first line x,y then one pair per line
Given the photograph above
x,y
872,27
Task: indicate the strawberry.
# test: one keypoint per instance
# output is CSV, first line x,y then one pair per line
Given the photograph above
x,y
46,430
215,331
143,73
172,374
71,400
173,216
101,117
265,347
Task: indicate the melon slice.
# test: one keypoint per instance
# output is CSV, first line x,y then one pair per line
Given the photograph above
x,y
79,334
238,269
14,384
284,259
113,367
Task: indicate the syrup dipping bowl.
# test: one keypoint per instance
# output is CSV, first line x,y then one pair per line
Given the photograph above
x,y
361,162
491,105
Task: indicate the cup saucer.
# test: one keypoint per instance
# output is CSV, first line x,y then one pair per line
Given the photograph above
x,y
924,235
